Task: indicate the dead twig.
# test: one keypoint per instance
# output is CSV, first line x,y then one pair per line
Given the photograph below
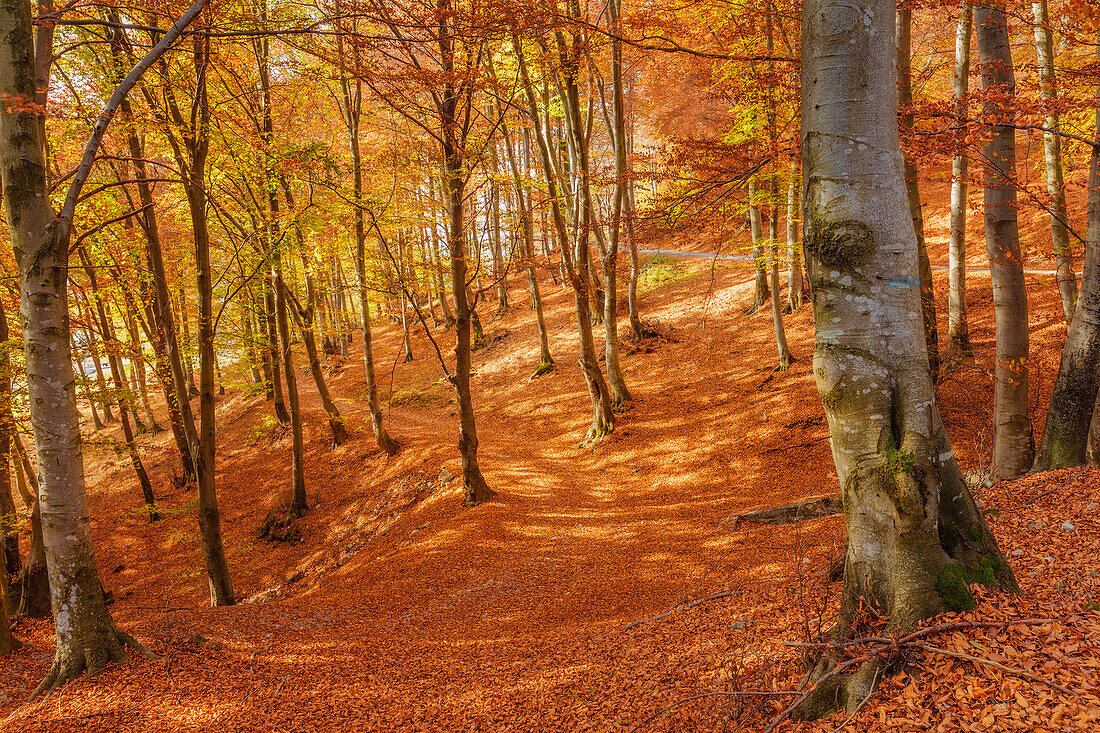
x,y
990,663
684,607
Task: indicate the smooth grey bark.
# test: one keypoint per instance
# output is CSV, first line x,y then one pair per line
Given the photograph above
x,y
785,357
958,331
903,29
1013,444
795,294
759,256
1067,428
87,638
915,537
1052,156
34,582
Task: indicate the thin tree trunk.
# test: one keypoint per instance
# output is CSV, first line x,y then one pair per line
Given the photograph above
x,y
1052,153
352,108
903,29
1013,445
785,358
794,250
523,205
574,262
958,332
305,319
916,539
475,489
87,389
114,362
759,256
1066,432
271,323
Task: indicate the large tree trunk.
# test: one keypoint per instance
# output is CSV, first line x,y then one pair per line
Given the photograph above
x,y
903,29
915,536
1013,445
1052,152
958,332
298,504
87,637
1065,435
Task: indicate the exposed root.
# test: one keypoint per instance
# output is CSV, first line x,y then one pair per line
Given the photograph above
x,y
596,433
91,655
544,367
281,522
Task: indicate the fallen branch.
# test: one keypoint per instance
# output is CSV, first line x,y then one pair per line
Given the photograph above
x,y
797,512
998,665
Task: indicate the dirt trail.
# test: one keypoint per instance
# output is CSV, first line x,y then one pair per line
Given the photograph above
x,y
401,611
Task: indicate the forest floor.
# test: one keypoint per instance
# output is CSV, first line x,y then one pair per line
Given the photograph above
x,y
544,610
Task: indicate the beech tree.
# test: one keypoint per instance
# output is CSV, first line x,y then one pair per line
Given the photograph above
x,y
916,539
87,637
1013,445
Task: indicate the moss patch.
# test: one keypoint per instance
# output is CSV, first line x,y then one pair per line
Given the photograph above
x,y
840,244
954,591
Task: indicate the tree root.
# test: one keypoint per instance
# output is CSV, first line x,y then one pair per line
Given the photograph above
x,y
89,654
544,367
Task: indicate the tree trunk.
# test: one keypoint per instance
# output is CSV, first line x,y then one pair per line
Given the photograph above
x,y
1052,152
609,253
794,250
523,205
298,504
1066,432
87,389
785,357
603,417
352,107
272,327
759,256
958,332
34,583
451,102
114,362
87,637
903,28
1013,444
305,319
915,536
